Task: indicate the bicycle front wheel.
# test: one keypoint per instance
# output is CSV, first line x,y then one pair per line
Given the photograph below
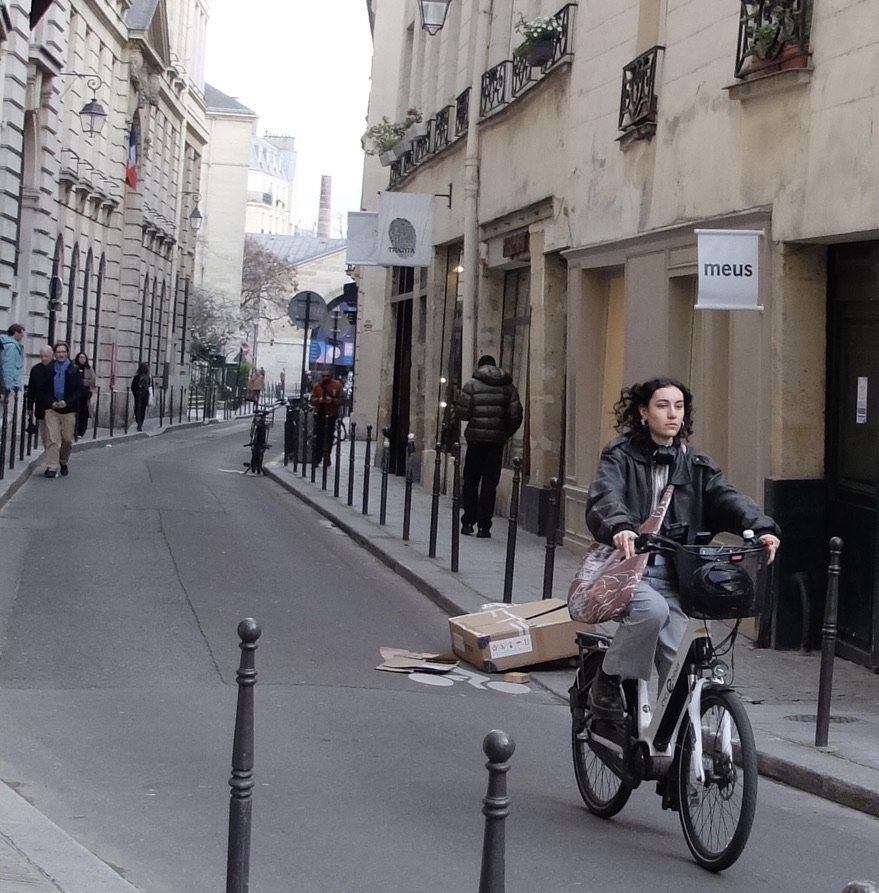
x,y
602,790
717,811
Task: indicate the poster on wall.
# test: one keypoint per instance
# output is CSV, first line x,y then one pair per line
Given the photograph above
x,y
729,269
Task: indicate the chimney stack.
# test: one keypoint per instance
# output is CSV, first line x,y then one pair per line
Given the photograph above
x,y
323,214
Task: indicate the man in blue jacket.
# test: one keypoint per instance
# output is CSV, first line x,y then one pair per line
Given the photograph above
x,y
60,394
490,404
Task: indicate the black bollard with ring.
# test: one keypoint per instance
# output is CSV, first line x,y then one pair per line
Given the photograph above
x,y
352,434
456,505
499,748
326,448
434,504
113,410
366,465
511,530
14,436
552,526
407,498
828,644
241,782
337,472
386,467
97,413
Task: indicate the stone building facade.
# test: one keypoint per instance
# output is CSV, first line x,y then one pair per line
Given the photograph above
x,y
97,248
568,249
270,195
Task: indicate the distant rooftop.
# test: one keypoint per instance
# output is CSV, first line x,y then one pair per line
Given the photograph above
x,y
298,248
218,102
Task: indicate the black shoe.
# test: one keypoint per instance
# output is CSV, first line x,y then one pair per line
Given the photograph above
x,y
50,472
140,427
606,702
483,534
64,471
467,529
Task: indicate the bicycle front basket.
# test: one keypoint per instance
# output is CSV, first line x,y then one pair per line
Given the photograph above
x,y
722,582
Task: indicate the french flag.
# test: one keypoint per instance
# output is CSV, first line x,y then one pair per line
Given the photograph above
x,y
131,161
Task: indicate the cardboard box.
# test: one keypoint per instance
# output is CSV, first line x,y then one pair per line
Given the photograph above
x,y
504,637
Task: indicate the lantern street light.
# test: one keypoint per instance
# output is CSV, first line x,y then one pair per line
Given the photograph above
x,y
92,114
433,14
195,216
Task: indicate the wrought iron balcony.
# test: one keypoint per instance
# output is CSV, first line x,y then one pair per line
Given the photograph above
x,y
462,112
773,35
494,88
638,100
442,135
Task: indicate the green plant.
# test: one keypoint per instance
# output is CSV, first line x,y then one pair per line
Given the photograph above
x,y
536,30
779,27
382,137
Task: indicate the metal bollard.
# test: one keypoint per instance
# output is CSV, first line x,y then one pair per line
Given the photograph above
x,y
337,472
407,499
241,782
366,469
552,526
386,467
14,436
434,504
97,413
456,505
4,430
352,432
828,644
113,411
25,437
511,530
499,748
127,407
170,406
161,407
180,406
305,416
325,453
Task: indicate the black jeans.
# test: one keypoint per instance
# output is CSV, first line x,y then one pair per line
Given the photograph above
x,y
482,471
324,426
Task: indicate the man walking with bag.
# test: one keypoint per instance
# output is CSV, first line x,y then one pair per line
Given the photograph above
x,y
489,403
61,393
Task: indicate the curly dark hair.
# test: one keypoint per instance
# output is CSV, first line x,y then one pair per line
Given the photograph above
x,y
627,408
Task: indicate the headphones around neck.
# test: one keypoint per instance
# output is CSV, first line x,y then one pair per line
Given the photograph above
x,y
664,455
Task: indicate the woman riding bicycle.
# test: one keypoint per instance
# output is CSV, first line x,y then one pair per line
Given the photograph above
x,y
655,421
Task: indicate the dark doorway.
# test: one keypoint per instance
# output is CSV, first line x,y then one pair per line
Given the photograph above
x,y
401,387
852,433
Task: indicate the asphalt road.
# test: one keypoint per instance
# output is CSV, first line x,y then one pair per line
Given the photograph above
x,y
121,588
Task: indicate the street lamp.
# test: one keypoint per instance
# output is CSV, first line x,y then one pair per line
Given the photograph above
x,y
433,14
195,216
92,114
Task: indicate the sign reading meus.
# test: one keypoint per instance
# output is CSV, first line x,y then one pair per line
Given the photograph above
x,y
729,269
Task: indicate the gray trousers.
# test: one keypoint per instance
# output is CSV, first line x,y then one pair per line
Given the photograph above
x,y
652,630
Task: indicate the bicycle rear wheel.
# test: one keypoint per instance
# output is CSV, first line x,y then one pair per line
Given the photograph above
x,y
717,813
602,790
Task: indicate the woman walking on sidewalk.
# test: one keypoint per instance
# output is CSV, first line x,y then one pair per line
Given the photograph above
x,y
141,387
89,383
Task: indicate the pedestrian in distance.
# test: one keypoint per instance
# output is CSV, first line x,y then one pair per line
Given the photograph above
x,y
12,357
39,393
256,384
89,383
141,390
60,394
655,421
489,403
326,398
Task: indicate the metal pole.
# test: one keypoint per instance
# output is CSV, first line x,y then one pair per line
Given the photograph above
x,y
162,407
3,434
241,782
97,413
386,467
511,531
303,388
180,405
170,406
552,524
456,505
113,411
434,505
23,424
499,748
304,427
314,449
127,407
337,474
407,499
828,644
351,464
14,431
366,469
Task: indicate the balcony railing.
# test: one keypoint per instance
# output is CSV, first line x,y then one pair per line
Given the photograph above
x,y
495,83
442,135
462,112
638,99
773,34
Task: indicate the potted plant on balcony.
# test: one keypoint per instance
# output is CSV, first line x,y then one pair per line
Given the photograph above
x,y
777,38
382,138
415,127
539,37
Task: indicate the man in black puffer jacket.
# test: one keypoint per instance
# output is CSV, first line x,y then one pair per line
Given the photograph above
x,y
490,404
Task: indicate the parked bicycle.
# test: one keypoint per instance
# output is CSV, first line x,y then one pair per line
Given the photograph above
x,y
696,742
263,419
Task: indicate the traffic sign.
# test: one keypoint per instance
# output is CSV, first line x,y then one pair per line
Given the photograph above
x,y
307,308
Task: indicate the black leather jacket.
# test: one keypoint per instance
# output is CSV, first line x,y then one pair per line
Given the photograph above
x,y
620,497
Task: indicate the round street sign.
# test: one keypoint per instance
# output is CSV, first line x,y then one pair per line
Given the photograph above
x,y
306,305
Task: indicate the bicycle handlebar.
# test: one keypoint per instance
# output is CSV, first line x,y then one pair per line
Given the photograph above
x,y
663,545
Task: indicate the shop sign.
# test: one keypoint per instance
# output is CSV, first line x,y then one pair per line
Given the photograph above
x,y
729,269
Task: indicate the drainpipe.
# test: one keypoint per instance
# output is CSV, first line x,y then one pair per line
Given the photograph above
x,y
471,195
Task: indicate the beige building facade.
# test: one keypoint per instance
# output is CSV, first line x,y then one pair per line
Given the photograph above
x,y
97,248
568,249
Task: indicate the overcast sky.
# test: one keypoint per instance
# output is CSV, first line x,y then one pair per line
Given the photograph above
x,y
303,67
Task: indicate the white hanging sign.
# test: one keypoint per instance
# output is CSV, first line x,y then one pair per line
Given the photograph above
x,y
729,269
405,229
362,239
